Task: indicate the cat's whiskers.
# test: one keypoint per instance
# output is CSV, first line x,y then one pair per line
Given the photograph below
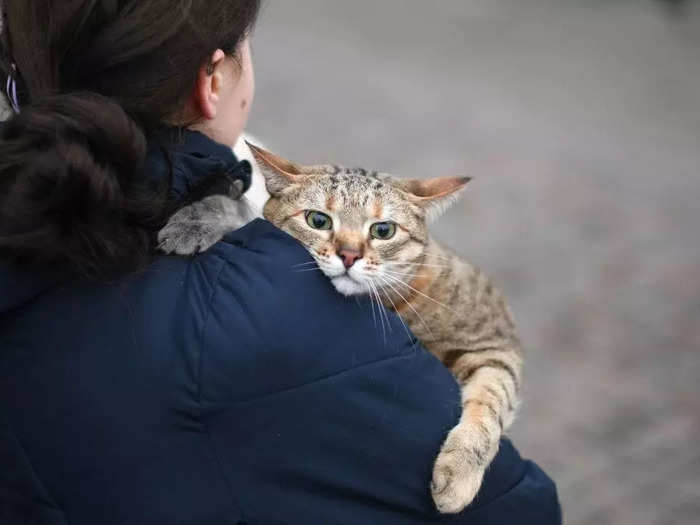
x,y
375,295
407,276
368,281
402,283
409,305
420,318
304,264
408,332
383,307
309,270
371,301
429,265
410,275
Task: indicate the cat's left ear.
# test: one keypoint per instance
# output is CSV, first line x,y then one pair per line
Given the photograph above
x,y
279,173
436,195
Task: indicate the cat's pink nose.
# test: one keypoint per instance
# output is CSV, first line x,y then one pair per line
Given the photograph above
x,y
349,257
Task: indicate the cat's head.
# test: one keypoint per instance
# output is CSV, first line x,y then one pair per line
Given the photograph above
x,y
364,229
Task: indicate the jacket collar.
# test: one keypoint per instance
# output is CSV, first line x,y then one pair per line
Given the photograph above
x,y
191,164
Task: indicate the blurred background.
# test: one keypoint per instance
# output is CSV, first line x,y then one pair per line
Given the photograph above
x,y
580,122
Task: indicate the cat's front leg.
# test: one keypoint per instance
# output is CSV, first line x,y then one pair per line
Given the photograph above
x,y
489,400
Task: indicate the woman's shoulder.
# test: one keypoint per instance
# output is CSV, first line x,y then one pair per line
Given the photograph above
x,y
273,314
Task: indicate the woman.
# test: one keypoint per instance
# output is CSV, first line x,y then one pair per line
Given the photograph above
x,y
225,388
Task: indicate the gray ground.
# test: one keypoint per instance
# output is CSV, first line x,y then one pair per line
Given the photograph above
x,y
580,121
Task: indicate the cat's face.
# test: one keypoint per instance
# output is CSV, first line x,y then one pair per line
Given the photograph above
x,y
365,230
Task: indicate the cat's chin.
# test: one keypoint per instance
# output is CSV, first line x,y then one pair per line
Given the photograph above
x,y
348,286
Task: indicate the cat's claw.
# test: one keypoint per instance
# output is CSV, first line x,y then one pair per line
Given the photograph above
x,y
457,475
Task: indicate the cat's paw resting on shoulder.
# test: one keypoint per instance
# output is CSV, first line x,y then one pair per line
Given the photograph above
x,y
197,227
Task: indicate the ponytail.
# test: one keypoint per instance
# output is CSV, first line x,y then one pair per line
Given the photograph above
x,y
67,189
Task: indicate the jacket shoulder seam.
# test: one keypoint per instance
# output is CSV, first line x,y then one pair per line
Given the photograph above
x,y
215,285
316,380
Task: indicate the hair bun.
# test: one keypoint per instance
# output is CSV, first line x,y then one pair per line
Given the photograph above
x,y
66,170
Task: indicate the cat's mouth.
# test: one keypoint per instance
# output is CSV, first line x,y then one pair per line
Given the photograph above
x,y
346,285
348,281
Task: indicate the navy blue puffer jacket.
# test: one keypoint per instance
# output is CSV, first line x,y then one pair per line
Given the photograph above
x,y
227,388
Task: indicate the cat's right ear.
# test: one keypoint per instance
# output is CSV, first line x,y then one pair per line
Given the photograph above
x,y
279,173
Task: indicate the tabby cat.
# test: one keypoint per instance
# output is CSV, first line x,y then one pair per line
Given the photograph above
x,y
367,232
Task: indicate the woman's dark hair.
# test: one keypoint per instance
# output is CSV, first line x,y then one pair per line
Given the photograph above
x,y
92,79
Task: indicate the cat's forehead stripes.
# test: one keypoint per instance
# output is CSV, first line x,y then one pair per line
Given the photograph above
x,y
355,196
377,209
355,180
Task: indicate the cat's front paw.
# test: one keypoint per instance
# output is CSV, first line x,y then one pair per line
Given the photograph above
x,y
185,237
458,471
197,227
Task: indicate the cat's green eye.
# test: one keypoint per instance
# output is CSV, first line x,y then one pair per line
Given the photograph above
x,y
318,220
383,230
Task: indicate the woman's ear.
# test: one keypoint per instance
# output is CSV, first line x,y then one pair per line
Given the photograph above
x,y
279,173
436,195
210,82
